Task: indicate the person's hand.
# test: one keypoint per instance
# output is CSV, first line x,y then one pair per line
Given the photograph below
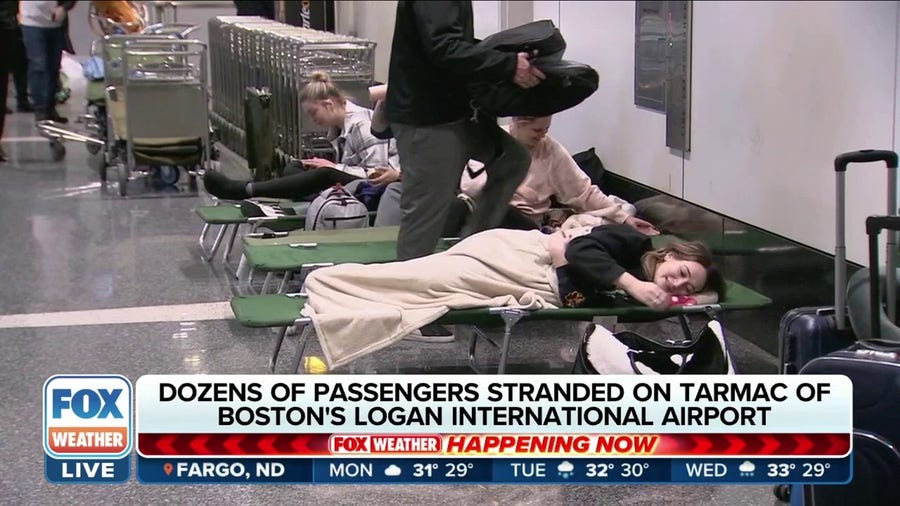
x,y
650,294
383,176
316,163
642,226
377,93
527,75
59,14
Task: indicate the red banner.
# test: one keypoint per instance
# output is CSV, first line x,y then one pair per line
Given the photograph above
x,y
662,445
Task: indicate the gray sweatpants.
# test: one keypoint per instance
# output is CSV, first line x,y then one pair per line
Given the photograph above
x,y
433,158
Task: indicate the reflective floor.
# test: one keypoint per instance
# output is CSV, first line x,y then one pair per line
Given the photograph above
x,y
70,244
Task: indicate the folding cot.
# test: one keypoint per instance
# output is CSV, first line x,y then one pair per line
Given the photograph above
x,y
303,251
229,218
283,310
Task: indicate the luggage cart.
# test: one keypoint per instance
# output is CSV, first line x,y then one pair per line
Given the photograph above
x,y
162,127
254,52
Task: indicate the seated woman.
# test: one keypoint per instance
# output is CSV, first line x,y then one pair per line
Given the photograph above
x,y
553,173
357,309
361,155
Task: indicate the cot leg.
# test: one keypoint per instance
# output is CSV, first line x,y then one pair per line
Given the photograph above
x,y
239,273
473,344
230,243
216,243
208,254
265,286
284,282
510,319
277,349
301,346
251,274
202,239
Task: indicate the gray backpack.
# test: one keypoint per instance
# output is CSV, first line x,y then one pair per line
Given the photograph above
x,y
335,208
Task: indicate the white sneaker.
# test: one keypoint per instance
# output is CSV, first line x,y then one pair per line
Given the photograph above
x,y
431,333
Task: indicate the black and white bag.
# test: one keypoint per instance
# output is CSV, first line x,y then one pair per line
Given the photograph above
x,y
335,208
627,352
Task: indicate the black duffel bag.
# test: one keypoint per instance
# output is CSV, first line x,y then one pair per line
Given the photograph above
x,y
539,39
567,84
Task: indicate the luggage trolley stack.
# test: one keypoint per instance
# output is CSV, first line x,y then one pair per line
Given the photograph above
x,y
155,107
251,52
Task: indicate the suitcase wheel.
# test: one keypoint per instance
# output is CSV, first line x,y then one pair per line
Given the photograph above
x,y
782,492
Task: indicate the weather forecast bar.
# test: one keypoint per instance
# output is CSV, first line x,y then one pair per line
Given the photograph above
x,y
179,470
487,445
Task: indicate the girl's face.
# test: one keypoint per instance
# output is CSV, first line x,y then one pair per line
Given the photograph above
x,y
325,113
679,277
531,132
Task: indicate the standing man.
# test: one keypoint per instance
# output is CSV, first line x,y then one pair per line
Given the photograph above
x,y
45,38
431,114
8,27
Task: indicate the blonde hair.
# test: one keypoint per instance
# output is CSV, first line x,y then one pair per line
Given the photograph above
x,y
321,87
694,251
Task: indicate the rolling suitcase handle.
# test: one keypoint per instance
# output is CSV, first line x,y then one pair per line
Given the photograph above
x,y
874,226
840,247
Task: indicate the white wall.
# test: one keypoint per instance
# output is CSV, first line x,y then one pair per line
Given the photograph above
x,y
487,17
630,140
373,21
778,89
817,79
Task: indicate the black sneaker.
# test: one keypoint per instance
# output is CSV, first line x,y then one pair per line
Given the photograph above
x,y
431,333
52,116
24,107
223,187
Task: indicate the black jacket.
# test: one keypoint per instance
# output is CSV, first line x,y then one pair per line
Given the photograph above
x,y
432,57
597,259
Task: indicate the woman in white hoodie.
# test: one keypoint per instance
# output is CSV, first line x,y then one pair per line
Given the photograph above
x,y
44,34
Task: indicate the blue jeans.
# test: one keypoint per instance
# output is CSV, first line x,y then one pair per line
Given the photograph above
x,y
44,47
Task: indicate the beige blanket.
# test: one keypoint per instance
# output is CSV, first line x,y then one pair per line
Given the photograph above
x,y
357,309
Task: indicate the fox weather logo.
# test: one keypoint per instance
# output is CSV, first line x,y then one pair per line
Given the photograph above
x,y
87,416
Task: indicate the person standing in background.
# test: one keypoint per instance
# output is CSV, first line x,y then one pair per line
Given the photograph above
x,y
19,67
433,57
260,8
8,28
44,34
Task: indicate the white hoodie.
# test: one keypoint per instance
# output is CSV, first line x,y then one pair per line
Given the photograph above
x,y
38,13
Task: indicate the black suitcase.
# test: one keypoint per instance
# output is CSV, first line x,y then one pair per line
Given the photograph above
x,y
874,368
809,332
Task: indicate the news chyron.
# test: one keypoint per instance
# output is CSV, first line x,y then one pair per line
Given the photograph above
x,y
87,428
378,429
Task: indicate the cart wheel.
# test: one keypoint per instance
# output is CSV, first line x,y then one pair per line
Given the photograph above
x,y
123,180
192,182
57,150
93,148
782,493
169,174
98,163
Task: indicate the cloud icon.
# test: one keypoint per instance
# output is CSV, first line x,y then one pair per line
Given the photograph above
x,y
747,467
565,467
392,470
